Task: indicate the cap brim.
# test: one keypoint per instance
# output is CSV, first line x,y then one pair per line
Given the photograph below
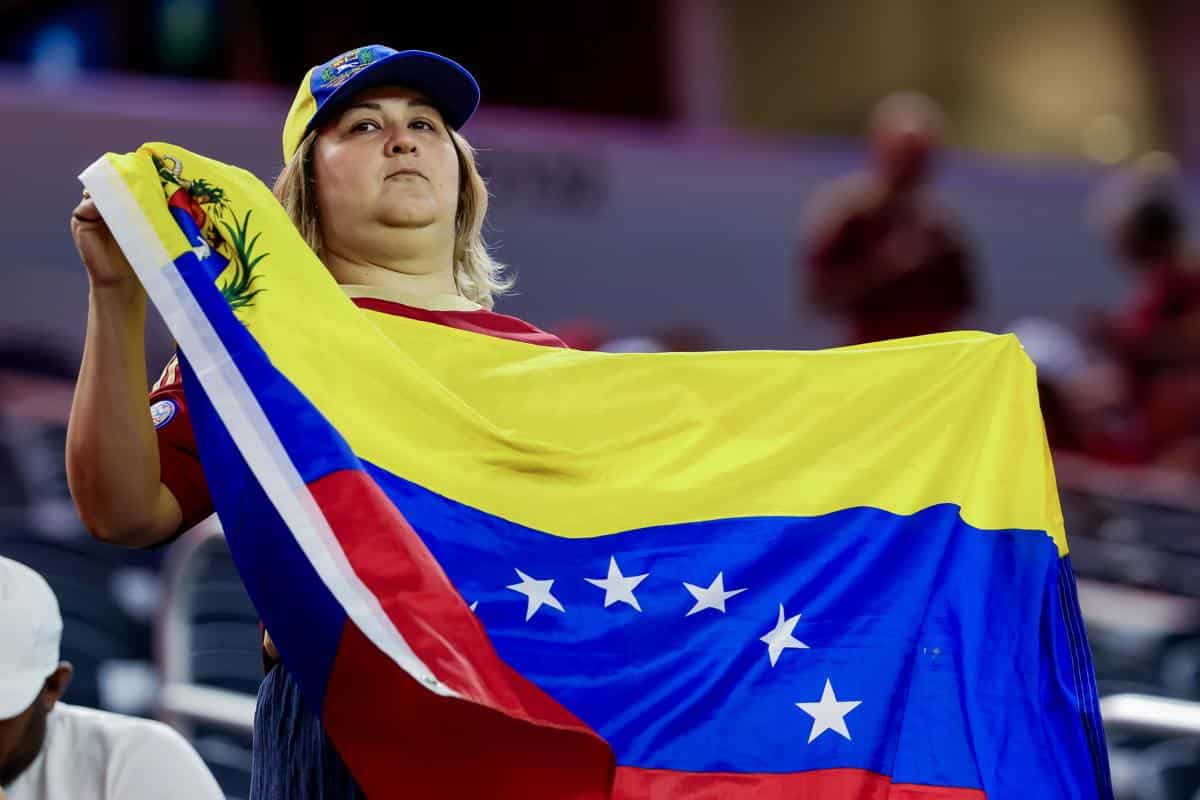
x,y
451,89
18,690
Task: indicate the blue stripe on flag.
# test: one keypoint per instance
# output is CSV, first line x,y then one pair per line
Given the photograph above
x,y
293,602
1080,665
929,623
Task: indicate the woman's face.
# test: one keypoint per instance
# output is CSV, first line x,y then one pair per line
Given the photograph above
x,y
384,166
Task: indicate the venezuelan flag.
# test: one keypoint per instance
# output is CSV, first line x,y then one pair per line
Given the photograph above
x,y
503,570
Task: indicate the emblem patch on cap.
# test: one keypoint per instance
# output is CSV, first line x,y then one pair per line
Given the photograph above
x,y
345,67
163,412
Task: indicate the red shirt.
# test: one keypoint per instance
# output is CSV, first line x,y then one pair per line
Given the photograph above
x,y
1164,295
178,455
855,236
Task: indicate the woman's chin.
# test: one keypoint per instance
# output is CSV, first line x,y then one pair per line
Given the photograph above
x,y
409,218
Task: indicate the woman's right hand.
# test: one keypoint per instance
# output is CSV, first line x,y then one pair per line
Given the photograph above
x,y
106,265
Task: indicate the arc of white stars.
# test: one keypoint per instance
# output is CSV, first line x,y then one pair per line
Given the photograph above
x,y
781,637
537,592
712,597
618,588
829,714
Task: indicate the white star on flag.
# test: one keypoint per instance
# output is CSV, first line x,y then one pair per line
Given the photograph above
x,y
474,606
781,638
712,597
617,587
538,593
829,714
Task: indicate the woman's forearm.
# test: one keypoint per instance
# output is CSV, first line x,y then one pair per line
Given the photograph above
x,y
112,451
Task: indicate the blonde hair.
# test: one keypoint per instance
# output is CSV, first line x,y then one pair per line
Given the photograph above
x,y
477,275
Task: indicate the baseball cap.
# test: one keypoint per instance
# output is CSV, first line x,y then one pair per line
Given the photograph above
x,y
30,632
451,89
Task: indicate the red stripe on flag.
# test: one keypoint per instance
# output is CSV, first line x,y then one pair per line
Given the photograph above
x,y
401,740
513,740
823,784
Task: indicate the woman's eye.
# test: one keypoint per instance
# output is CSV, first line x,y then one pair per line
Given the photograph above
x,y
424,124
365,125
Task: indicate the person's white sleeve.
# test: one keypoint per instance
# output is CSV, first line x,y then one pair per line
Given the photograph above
x,y
159,764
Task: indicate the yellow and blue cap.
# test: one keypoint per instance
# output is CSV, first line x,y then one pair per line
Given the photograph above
x,y
447,84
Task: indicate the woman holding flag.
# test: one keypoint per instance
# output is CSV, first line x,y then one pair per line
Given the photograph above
x,y
385,190
372,472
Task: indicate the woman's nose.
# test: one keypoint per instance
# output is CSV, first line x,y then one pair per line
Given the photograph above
x,y
402,144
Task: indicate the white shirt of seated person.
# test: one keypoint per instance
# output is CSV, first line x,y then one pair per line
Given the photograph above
x,y
50,750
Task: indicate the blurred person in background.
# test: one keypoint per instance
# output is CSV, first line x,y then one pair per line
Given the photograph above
x,y
881,251
371,142
1086,399
1155,337
50,750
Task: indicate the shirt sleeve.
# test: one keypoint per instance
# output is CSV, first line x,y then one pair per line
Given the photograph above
x,y
153,762
179,458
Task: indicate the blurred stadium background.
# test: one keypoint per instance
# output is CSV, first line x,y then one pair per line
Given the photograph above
x,y
651,163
